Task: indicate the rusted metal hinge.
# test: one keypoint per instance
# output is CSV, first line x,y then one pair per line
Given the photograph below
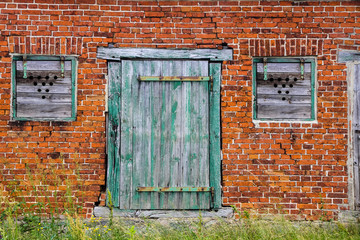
x,y
174,189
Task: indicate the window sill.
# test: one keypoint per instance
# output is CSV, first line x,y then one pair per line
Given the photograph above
x,y
257,122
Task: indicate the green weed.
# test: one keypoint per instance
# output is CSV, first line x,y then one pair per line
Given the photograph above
x,y
38,224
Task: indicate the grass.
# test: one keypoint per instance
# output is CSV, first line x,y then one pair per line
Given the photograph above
x,y
76,228
19,220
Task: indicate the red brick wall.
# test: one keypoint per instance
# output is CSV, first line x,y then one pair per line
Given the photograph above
x,y
298,169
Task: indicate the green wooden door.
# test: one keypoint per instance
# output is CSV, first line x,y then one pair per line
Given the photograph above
x,y
160,143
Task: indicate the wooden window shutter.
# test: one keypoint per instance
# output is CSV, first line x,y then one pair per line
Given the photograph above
x,y
43,88
284,89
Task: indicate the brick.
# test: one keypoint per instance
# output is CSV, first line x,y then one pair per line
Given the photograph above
x,y
264,163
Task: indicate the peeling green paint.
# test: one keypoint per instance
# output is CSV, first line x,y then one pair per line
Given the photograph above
x,y
185,111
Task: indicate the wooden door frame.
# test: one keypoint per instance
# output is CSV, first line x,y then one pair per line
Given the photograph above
x,y
114,57
354,141
352,58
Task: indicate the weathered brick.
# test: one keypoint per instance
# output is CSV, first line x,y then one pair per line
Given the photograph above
x,y
263,162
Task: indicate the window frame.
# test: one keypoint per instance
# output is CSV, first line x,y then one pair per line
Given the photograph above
x,y
307,59
73,60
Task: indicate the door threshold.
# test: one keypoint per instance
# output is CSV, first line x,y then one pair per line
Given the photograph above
x,y
104,212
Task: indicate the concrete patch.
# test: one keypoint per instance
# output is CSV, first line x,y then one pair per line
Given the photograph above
x,y
104,212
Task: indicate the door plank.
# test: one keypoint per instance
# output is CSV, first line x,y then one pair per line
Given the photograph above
x,y
356,134
204,136
156,99
113,136
198,152
126,150
215,152
175,69
137,100
165,140
193,178
157,105
146,179
186,139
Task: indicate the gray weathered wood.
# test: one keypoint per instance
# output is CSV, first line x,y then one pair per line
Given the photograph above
x,y
347,56
44,94
157,105
278,99
119,53
145,199
203,119
60,89
174,68
285,111
44,110
186,133
356,133
356,169
283,67
273,78
42,98
292,91
43,65
137,108
283,95
356,111
53,76
193,176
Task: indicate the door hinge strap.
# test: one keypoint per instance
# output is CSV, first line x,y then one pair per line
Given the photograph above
x,y
174,79
174,189
25,66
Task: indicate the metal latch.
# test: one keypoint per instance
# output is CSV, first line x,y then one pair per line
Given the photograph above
x,y
25,66
302,68
62,62
265,69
